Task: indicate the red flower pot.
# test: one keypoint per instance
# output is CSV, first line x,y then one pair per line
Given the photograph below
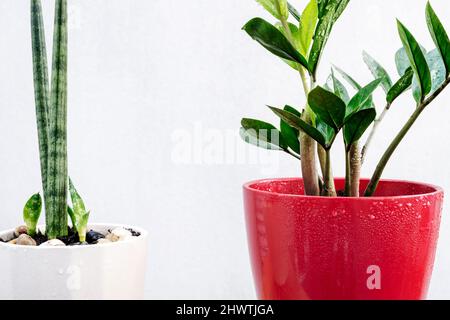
x,y
302,247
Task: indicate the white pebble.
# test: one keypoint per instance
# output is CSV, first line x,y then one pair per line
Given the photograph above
x,y
119,234
53,243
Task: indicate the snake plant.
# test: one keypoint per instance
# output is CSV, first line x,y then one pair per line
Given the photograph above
x,y
51,116
329,109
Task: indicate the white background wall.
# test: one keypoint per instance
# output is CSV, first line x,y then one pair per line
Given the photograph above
x,y
146,76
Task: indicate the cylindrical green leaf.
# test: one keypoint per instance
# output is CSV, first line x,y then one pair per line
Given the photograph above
x,y
56,198
41,87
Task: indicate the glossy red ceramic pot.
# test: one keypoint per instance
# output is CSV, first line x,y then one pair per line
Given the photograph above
x,y
382,247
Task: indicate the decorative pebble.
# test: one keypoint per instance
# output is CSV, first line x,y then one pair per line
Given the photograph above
x,y
111,238
93,236
79,244
25,240
53,243
20,230
103,241
119,234
134,233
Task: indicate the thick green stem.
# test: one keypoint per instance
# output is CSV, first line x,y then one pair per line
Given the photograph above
x,y
57,180
371,188
329,189
306,88
307,144
322,158
308,163
355,169
347,173
41,87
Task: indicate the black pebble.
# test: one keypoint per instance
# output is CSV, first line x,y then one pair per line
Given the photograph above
x,y
134,233
79,244
93,236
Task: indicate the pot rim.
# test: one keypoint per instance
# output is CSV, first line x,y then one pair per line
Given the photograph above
x,y
437,190
143,236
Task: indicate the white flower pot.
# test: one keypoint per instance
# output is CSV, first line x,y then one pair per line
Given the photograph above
x,y
104,271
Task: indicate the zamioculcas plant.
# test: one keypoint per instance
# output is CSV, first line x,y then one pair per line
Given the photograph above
x,y
329,108
381,246
300,44
51,115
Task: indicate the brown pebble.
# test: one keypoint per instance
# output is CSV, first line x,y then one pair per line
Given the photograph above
x,y
20,230
111,237
25,240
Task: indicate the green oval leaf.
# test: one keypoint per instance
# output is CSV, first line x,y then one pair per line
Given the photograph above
x,y
416,59
308,22
296,38
328,106
262,134
290,134
271,6
295,32
378,71
439,36
273,40
435,64
402,61
437,72
403,84
327,131
298,123
329,13
361,99
357,124
437,69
